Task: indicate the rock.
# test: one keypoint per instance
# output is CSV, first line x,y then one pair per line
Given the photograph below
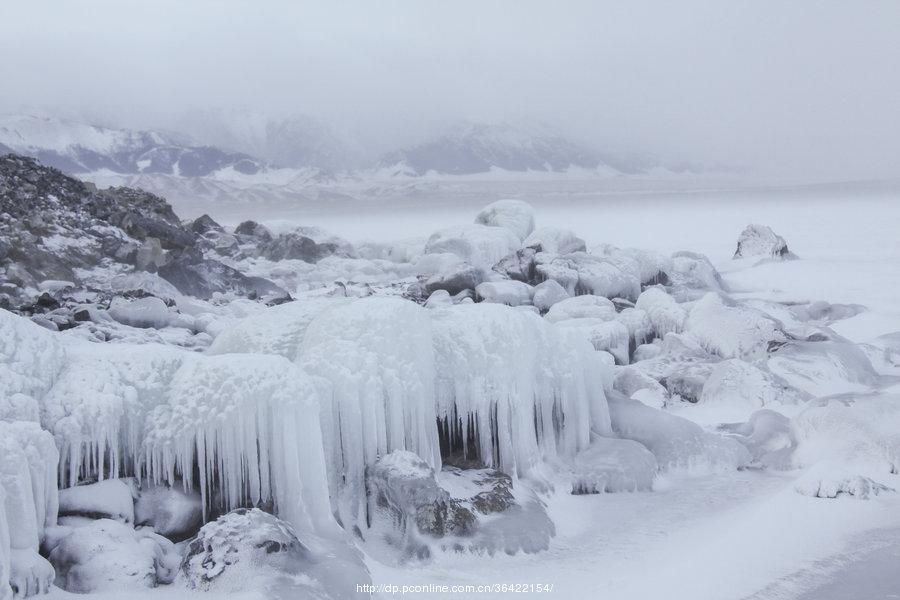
x,y
150,256
248,550
466,277
548,293
478,245
309,244
737,382
514,215
144,313
106,555
172,512
202,277
254,230
578,307
205,224
519,265
613,465
509,292
691,275
760,240
583,273
554,241
109,499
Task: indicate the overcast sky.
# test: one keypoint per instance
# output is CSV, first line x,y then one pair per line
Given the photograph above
x,y
805,87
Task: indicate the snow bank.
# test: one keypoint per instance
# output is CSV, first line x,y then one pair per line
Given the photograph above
x,y
514,215
513,387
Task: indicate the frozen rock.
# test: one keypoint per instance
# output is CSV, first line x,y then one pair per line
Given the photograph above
x,y
455,281
309,244
254,230
582,273
439,298
30,358
145,313
734,381
823,368
554,240
170,511
665,315
150,255
29,574
760,240
613,465
508,292
646,352
731,330
649,268
141,283
110,499
691,275
514,215
769,438
578,307
253,551
611,336
548,293
629,380
194,275
685,381
106,555
833,479
205,224
677,444
480,246
520,266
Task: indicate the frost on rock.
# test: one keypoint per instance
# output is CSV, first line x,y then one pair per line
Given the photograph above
x,y
734,381
665,315
613,465
106,555
554,240
481,246
514,215
548,293
243,428
30,361
833,479
730,330
677,444
378,355
760,240
96,410
253,551
275,330
508,292
768,437
823,368
513,389
110,499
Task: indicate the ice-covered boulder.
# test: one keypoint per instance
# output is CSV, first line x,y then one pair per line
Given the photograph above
x,y
110,499
648,268
481,246
677,444
828,479
513,388
554,240
106,555
171,512
253,551
514,215
629,380
146,313
691,275
309,244
735,381
508,292
404,494
768,436
378,355
456,280
611,336
823,368
613,465
30,359
665,315
730,330
548,293
583,273
761,241
243,428
579,307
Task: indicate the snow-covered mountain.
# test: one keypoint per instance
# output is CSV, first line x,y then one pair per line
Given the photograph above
x,y
77,147
479,147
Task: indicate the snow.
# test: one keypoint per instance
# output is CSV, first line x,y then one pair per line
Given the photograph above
x,y
830,480
110,499
514,215
554,240
613,465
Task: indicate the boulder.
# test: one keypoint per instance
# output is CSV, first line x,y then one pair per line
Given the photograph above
x,y
146,313
170,511
514,215
509,292
613,465
110,499
761,241
554,240
548,293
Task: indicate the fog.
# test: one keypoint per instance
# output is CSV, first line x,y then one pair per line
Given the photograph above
x,y
808,88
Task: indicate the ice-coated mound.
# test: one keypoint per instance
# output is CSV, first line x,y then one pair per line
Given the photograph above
x,y
610,336
735,381
823,368
769,438
481,246
554,241
513,388
731,330
106,555
404,494
629,380
583,273
664,314
30,358
514,215
547,294
508,292
110,499
378,355
760,240
276,330
586,306
828,479
648,268
677,444
146,313
248,550
613,465
243,428
97,408
691,275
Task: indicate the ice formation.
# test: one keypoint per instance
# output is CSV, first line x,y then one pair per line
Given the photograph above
x,y
149,312
479,245
554,241
586,306
730,330
583,273
613,465
514,215
548,293
508,292
664,314
109,499
611,336
760,240
247,426
828,479
30,360
735,381
513,389
823,368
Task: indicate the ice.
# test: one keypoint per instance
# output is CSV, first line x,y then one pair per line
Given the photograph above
x,y
30,574
665,315
143,281
629,380
677,444
823,368
147,313
730,330
243,428
613,465
583,273
554,240
548,293
586,306
514,388
170,511
275,330
30,360
110,499
377,354
735,381
514,215
768,436
692,274
760,240
611,336
508,292
481,246
832,479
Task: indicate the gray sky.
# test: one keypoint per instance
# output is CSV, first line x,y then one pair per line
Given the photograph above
x,y
809,88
